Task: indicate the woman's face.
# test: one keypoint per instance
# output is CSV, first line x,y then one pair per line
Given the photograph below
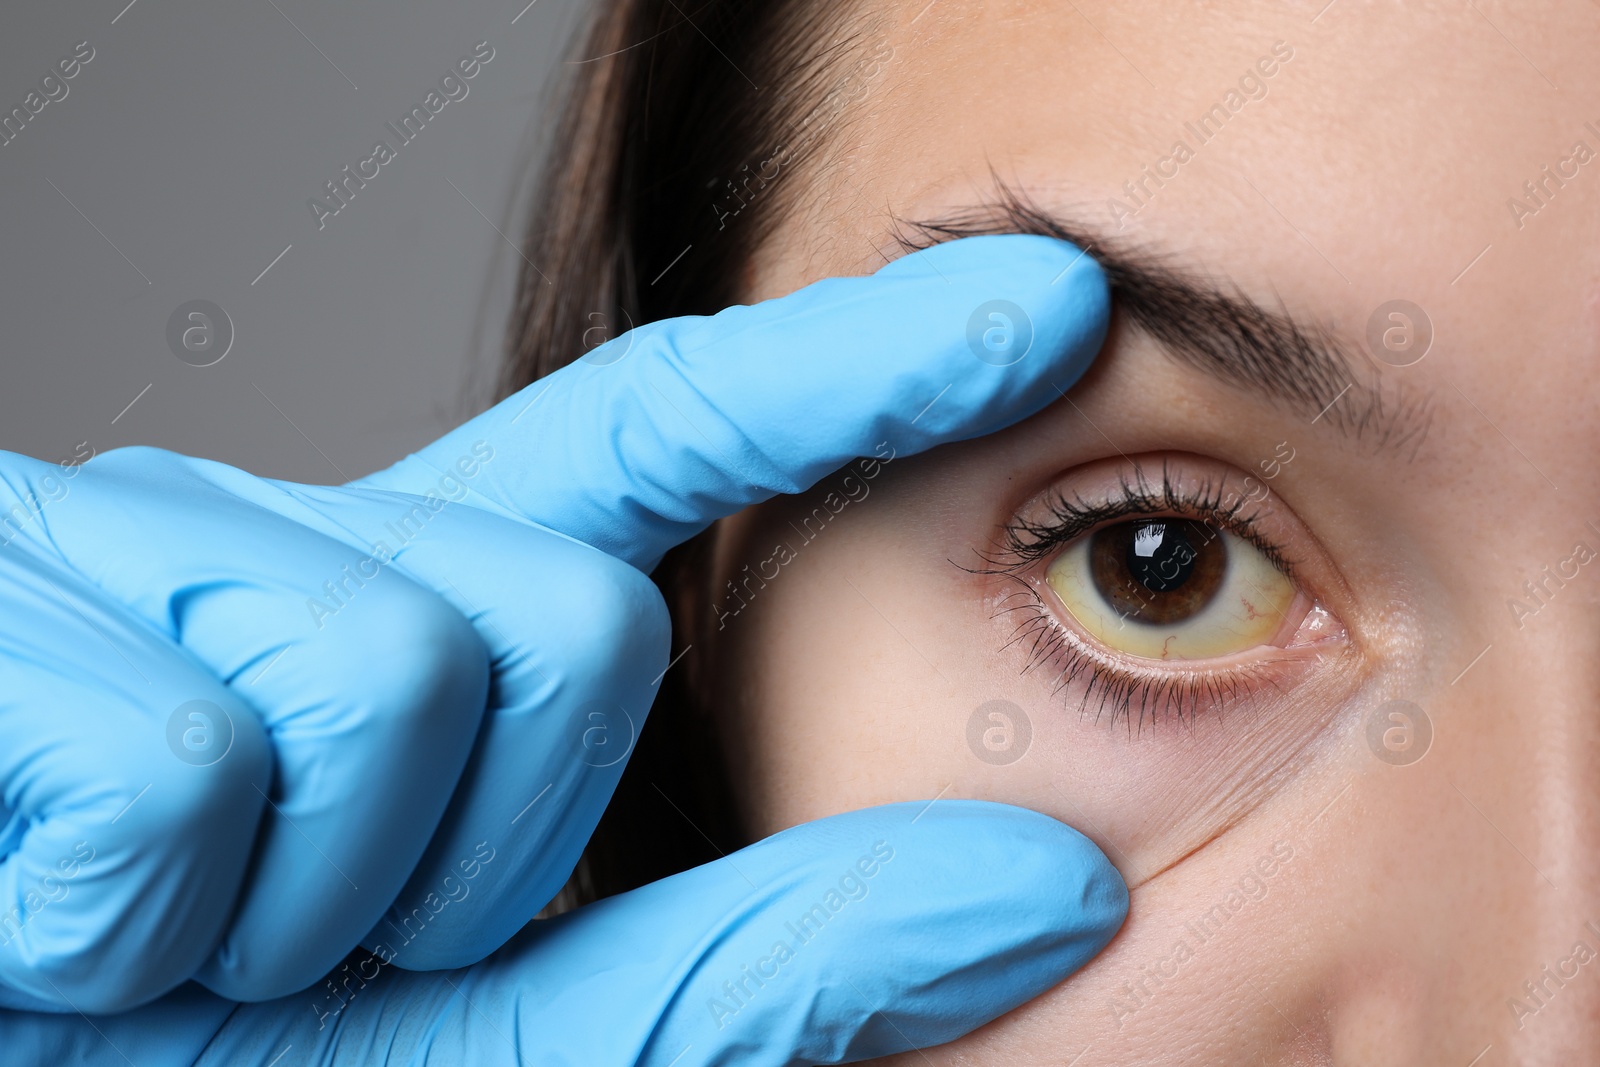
x,y
1305,888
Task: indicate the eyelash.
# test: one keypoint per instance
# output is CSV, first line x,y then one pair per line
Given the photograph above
x,y
1122,689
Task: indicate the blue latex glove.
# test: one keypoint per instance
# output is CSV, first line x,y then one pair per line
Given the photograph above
x,y
251,723
861,935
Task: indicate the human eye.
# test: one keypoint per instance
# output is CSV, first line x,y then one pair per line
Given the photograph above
x,y
1175,588
1163,587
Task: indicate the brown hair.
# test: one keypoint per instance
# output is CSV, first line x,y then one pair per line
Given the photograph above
x,y
672,157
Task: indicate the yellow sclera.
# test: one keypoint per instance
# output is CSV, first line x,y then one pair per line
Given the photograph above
x,y
1249,608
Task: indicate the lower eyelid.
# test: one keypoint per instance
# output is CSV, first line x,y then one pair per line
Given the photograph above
x,y
1107,688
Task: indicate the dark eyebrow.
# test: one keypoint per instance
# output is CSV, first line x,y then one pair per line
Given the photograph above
x,y
1217,330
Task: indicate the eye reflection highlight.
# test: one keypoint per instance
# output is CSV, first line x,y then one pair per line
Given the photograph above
x,y
1172,588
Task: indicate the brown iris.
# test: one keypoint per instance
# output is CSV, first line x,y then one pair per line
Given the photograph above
x,y
1157,571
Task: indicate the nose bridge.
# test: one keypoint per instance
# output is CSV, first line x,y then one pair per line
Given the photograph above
x,y
1527,765
1543,708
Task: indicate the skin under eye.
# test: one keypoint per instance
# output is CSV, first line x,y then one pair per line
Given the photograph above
x,y
1173,588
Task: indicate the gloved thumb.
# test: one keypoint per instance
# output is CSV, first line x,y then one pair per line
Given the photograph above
x,y
860,935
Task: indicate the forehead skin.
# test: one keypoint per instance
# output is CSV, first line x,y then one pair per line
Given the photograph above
x,y
1378,166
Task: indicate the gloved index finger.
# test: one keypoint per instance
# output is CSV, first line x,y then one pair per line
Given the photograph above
x,y
651,437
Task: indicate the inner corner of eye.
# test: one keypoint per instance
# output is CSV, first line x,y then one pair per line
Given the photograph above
x,y
1168,588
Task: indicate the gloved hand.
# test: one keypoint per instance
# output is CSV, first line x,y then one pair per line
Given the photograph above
x,y
401,705
860,935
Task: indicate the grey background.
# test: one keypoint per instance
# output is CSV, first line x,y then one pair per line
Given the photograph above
x,y
191,142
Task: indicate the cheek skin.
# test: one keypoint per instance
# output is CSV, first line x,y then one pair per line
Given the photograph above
x,y
1331,955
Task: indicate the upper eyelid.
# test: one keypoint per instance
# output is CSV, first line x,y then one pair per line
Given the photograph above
x,y
1024,542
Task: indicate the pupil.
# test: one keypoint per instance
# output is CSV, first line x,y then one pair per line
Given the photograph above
x,y
1160,556
1158,571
